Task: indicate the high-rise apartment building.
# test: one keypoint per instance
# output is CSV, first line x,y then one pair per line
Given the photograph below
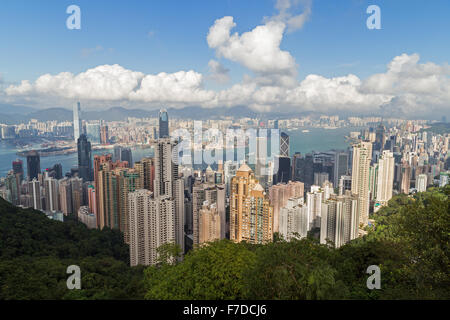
x,y
146,169
314,204
345,183
251,215
362,155
421,183
214,195
340,220
76,185
65,196
51,190
209,223
294,219
279,195
168,183
104,134
34,188
17,166
385,181
405,178
129,181
151,224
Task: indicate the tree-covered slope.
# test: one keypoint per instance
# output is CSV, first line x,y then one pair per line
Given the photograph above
x,y
36,251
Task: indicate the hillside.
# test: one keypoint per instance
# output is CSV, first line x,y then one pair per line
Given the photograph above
x,y
36,251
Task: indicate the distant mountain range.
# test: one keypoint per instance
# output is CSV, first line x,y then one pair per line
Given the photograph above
x,y
19,114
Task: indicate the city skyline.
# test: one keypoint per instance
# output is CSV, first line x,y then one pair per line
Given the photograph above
x,y
249,150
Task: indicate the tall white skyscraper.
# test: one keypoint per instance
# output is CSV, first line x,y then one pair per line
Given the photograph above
x,y
362,155
51,194
314,202
34,188
167,183
385,176
76,121
294,219
421,183
340,220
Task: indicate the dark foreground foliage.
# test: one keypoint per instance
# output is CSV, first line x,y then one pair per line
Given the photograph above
x,y
36,251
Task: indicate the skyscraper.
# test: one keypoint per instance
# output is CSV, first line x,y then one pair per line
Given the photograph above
x,y
129,181
314,202
76,185
65,196
214,195
251,215
84,158
385,177
146,169
405,178
127,155
151,223
303,169
109,194
104,134
163,124
51,194
17,167
76,121
209,223
280,194
362,154
421,183
33,165
340,166
339,222
167,183
284,144
117,153
294,219
34,188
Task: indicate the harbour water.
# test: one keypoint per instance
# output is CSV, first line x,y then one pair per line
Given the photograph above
x,y
317,139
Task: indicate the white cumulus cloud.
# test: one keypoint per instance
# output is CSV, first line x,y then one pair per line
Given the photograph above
x,y
258,50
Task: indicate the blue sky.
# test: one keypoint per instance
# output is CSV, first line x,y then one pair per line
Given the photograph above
x,y
169,36
334,41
